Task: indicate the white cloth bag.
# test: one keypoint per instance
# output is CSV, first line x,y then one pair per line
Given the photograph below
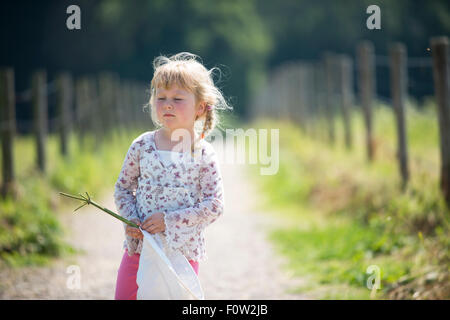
x,y
165,274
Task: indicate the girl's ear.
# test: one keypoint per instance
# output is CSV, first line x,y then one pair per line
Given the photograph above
x,y
201,109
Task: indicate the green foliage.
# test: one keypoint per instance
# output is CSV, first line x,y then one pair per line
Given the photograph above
x,y
348,214
89,169
30,230
340,253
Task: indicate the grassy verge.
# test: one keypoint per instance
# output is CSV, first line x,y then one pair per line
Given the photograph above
x,y
30,230
346,215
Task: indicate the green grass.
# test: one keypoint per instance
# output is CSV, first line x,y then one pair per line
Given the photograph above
x,y
346,214
30,229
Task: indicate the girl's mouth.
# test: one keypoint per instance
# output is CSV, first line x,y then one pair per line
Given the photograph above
x,y
168,115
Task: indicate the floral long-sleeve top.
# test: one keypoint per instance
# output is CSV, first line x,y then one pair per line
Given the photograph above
x,y
189,191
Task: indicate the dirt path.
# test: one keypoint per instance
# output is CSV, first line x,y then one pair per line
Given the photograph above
x,y
241,263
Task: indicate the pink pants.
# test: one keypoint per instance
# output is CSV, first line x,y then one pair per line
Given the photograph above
x,y
126,286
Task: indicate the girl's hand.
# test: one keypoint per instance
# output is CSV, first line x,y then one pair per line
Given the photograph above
x,y
155,223
134,232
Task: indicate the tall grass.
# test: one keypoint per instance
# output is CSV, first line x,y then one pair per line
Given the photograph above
x,y
347,214
30,228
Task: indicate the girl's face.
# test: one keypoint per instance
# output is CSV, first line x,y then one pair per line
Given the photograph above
x,y
176,108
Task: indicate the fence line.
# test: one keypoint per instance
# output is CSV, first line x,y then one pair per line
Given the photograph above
x,y
94,104
332,95
413,62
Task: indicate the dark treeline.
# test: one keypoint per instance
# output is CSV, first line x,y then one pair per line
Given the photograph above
x,y
245,39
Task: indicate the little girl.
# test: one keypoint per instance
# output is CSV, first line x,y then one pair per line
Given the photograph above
x,y
176,194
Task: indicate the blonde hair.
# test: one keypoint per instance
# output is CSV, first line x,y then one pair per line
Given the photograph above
x,y
185,71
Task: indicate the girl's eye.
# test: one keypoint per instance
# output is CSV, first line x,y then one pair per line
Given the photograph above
x,y
161,98
178,99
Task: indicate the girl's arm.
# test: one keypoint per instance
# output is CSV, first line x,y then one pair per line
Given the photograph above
x,y
212,204
127,183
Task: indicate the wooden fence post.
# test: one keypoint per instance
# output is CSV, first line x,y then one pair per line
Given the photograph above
x,y
276,92
314,99
284,102
266,99
64,109
82,109
118,121
95,114
307,94
7,131
399,78
289,85
366,88
320,84
329,79
136,105
144,114
140,115
345,71
128,110
262,101
145,96
304,100
295,113
40,116
106,101
440,52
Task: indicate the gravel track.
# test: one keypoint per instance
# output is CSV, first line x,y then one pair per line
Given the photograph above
x,y
241,261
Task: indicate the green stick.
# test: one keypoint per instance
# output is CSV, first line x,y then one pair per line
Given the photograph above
x,y
87,200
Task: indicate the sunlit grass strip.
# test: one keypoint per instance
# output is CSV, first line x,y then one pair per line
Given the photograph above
x,y
87,200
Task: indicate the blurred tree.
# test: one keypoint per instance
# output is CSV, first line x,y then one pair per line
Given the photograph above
x,y
244,38
126,35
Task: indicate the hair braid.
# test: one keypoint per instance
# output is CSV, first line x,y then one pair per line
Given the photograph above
x,y
210,120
